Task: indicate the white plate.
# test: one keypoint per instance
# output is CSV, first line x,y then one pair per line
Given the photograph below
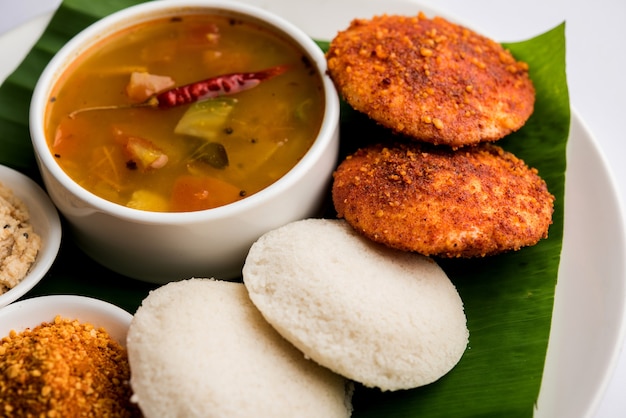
x,y
589,317
29,313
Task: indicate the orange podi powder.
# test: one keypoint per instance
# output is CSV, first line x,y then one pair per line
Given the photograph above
x,y
64,368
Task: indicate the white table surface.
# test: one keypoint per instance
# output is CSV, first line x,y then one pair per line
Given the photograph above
x,y
596,66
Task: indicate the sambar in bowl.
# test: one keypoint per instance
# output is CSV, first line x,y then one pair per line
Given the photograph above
x,y
171,135
245,107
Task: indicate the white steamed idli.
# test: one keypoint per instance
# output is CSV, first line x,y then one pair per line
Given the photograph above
x,y
199,348
381,317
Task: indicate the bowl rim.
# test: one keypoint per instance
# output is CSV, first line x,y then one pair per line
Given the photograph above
x,y
109,25
31,312
37,202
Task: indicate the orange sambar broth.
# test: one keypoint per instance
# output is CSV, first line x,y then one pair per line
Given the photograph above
x,y
269,129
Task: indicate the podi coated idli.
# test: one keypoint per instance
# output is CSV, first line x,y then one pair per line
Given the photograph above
x,y
384,318
430,79
475,201
199,348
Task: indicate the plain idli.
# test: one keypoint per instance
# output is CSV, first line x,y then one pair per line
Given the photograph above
x,y
381,317
199,348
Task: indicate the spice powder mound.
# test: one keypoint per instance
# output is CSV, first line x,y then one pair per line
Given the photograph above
x,y
64,368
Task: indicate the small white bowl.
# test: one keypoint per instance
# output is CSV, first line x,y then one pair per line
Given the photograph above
x,y
46,223
29,313
161,247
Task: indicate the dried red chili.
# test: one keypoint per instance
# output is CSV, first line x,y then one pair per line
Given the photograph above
x,y
200,90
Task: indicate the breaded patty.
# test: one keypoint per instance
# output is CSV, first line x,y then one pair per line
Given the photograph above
x,y
430,79
411,196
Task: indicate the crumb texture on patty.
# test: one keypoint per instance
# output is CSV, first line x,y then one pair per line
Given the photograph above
x,y
476,201
431,79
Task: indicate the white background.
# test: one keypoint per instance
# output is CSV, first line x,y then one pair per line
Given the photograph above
x,y
596,66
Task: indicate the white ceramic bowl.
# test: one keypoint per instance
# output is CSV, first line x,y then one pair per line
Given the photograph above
x,y
160,247
46,223
29,313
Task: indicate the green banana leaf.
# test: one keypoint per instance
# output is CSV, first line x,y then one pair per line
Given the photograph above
x,y
508,298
